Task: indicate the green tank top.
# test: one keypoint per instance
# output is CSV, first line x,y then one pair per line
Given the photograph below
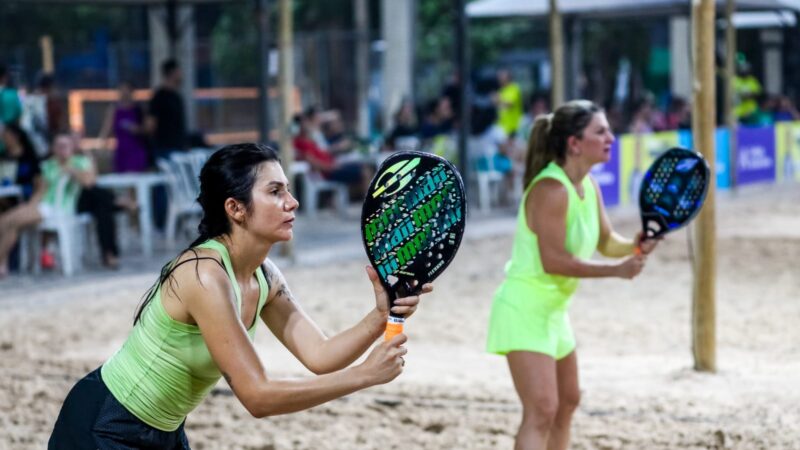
x,y
164,369
583,234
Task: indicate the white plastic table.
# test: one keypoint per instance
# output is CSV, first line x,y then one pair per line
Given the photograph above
x,y
143,184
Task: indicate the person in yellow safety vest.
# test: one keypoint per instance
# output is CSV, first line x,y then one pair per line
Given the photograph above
x,y
509,103
747,89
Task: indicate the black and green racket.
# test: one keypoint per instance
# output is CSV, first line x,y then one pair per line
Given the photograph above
x,y
672,191
412,223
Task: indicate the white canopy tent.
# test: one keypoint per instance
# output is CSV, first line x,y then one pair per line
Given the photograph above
x,y
616,8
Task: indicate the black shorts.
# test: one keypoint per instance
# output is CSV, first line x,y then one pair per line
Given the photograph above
x,y
91,418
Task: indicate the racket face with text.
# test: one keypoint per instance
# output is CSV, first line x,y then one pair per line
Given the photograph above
x,y
412,220
672,191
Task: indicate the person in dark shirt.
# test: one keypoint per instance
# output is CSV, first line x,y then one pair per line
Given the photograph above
x,y
166,125
19,147
166,119
405,129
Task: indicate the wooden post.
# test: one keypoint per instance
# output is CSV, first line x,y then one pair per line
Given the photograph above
x,y
730,91
556,56
46,42
703,127
286,76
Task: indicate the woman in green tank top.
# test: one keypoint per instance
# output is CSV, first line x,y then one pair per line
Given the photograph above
x,y
198,320
561,222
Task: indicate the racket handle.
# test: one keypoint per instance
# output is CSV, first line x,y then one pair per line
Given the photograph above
x,y
637,251
394,326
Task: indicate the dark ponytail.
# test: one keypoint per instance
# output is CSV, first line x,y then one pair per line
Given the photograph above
x,y
550,133
230,172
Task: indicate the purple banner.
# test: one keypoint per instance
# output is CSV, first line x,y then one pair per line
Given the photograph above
x,y
607,176
755,155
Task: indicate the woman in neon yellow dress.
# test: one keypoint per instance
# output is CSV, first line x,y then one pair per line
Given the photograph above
x,y
198,321
561,222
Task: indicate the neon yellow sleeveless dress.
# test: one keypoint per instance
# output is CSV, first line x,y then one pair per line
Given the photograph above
x,y
164,369
529,311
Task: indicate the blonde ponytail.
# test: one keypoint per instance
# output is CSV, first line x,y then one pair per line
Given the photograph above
x,y
539,155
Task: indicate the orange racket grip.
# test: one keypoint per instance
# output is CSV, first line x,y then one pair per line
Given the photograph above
x,y
637,251
394,326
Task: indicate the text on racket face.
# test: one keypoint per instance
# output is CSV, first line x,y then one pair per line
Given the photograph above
x,y
394,212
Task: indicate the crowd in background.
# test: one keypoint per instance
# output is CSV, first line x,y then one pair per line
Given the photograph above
x,y
36,136
58,177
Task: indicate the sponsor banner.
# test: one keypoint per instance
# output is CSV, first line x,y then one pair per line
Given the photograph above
x,y
607,176
722,154
755,155
787,152
637,153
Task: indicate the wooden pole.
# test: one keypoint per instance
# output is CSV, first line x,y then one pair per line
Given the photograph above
x,y
286,76
556,56
46,42
730,90
703,127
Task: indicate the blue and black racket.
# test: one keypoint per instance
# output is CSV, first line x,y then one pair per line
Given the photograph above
x,y
672,191
412,223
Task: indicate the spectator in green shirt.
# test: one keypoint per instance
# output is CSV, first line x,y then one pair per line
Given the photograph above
x,y
10,104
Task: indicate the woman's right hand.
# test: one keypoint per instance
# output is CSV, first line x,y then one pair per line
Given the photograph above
x,y
631,266
385,362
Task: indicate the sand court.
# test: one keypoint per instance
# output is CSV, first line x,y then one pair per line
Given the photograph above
x,y
634,347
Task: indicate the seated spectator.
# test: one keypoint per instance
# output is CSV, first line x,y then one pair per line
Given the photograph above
x,y
19,148
437,120
314,119
763,114
642,119
82,195
405,129
785,111
339,143
678,114
357,175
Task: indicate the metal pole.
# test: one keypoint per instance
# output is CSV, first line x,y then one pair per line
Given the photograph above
x,y
462,65
262,10
362,66
730,90
287,92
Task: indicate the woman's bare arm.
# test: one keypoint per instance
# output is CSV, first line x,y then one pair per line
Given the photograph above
x,y
209,301
298,332
546,213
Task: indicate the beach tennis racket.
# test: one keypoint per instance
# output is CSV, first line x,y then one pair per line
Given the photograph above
x,y
672,192
412,223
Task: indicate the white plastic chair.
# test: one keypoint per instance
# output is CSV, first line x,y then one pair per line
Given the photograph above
x,y
314,185
488,180
181,193
71,230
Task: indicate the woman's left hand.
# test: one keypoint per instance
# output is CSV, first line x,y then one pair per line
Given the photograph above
x,y
404,306
646,246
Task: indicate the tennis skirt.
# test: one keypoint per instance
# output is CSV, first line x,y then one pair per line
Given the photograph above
x,y
523,319
91,418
